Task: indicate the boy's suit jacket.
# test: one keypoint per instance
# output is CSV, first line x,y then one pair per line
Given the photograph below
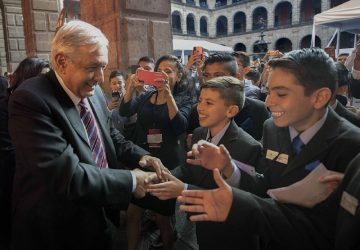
x,y
252,116
348,221
289,226
347,114
59,194
242,147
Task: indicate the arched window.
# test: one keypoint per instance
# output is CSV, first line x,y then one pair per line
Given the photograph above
x,y
203,26
239,22
308,9
220,3
259,18
190,24
240,47
283,45
176,22
203,4
283,14
221,26
306,42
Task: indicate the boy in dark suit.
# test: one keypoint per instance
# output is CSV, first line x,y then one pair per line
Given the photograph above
x,y
220,100
253,113
300,86
348,220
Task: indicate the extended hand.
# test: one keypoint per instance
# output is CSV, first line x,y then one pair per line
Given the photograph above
x,y
166,190
155,164
209,156
140,182
212,205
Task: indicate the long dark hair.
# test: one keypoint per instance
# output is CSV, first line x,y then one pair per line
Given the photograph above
x,y
27,68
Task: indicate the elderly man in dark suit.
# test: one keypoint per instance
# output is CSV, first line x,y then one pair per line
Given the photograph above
x,y
68,155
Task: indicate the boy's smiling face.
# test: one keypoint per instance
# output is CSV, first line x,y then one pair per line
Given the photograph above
x,y
213,111
288,104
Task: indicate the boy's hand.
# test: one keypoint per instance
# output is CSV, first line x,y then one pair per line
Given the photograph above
x,y
209,156
210,205
169,189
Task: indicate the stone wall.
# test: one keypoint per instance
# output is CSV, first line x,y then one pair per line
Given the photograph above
x,y
135,28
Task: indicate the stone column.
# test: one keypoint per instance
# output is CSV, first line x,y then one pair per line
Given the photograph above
x,y
135,28
40,17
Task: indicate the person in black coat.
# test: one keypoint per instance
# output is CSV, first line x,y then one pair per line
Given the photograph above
x,y
27,68
254,113
65,176
298,99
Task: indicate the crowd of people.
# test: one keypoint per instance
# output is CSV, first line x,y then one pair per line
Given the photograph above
x,y
261,154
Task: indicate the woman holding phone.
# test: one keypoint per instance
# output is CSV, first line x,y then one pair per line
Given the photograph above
x,y
162,119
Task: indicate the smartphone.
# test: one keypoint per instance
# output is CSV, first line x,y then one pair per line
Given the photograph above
x,y
198,51
115,96
149,77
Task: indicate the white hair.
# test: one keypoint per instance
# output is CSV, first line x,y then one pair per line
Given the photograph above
x,y
75,34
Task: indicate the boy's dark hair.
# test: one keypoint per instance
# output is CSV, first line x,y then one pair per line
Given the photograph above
x,y
312,67
147,59
343,54
225,58
243,57
115,73
253,75
342,75
230,89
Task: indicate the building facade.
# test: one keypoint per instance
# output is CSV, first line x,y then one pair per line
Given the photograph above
x,y
239,24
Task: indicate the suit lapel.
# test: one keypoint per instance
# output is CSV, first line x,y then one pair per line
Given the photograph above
x,y
317,145
230,134
69,108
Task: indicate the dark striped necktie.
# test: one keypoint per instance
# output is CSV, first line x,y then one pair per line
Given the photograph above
x,y
96,146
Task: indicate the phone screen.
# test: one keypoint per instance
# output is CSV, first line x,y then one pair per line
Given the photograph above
x,y
115,95
149,77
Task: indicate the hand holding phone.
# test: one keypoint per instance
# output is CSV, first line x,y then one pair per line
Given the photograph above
x,y
150,78
115,96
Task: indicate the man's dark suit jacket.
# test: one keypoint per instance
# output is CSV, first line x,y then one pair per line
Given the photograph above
x,y
242,147
348,224
347,114
288,226
59,194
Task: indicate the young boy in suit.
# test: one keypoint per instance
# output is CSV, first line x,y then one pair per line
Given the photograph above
x,y
253,113
300,86
221,98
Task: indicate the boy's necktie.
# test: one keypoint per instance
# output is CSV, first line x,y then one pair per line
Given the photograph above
x,y
97,149
297,144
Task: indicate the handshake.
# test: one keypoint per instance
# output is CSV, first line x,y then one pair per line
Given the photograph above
x,y
145,178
